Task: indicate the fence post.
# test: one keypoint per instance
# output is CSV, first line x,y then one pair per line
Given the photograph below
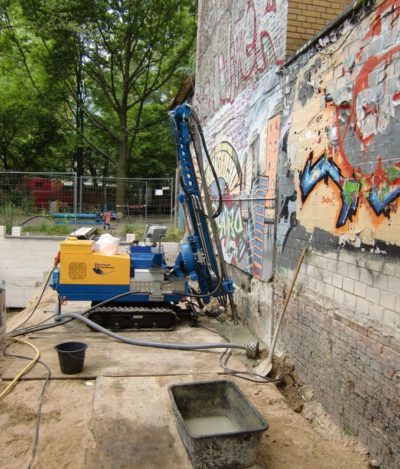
x,y
80,193
75,196
105,198
145,202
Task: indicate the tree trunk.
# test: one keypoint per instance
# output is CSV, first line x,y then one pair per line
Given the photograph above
x,y
122,166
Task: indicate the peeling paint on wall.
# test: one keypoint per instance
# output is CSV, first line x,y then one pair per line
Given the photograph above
x,y
238,95
344,134
330,121
248,40
245,154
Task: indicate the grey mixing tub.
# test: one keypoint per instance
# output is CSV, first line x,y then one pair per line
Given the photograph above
x,y
235,426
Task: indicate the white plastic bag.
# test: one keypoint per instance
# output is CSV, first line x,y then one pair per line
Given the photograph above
x,y
107,244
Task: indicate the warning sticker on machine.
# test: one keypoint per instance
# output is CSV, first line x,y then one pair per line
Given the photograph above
x,y
103,269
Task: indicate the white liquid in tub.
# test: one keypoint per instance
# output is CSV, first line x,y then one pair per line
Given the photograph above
x,y
200,426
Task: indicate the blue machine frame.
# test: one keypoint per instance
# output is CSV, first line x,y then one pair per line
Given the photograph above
x,y
196,260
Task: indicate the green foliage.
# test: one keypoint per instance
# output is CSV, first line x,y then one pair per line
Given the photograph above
x,y
174,234
89,83
135,228
19,200
48,230
8,213
150,158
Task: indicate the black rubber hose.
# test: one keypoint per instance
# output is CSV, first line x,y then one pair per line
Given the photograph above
x,y
215,175
148,343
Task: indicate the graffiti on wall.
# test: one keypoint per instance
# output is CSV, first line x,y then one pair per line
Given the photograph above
x,y
247,222
238,97
347,150
248,45
230,221
380,190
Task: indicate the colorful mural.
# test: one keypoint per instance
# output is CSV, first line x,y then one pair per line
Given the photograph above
x,y
230,222
246,224
238,96
344,134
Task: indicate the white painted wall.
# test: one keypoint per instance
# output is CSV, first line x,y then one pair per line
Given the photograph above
x,y
25,262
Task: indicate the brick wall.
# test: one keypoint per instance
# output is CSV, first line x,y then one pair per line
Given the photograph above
x,y
352,369
343,325
306,19
238,42
330,122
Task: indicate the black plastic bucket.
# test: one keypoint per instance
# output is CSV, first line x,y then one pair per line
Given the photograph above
x,y
71,356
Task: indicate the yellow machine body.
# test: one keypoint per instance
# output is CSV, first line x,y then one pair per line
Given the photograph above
x,y
80,264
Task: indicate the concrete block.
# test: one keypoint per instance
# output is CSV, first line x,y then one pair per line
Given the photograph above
x,y
362,305
373,295
16,231
318,273
360,289
339,295
381,282
327,276
389,268
375,313
320,261
319,287
388,300
348,285
391,319
310,283
350,300
332,265
337,281
366,277
329,291
346,256
375,264
342,268
393,284
397,305
353,272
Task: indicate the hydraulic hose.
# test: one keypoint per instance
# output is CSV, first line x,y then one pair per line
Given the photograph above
x,y
148,343
25,370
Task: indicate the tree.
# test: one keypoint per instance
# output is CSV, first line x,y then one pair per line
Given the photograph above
x,y
31,136
127,52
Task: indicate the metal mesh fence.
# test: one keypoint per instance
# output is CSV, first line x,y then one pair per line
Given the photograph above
x,y
33,192
62,198
141,198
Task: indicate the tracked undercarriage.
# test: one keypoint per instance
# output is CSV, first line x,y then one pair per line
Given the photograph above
x,y
138,317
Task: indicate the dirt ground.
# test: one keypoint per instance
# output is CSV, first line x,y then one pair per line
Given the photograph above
x,y
97,418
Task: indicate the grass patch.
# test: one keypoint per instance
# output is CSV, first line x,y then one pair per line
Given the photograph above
x,y
8,213
48,230
137,229
172,235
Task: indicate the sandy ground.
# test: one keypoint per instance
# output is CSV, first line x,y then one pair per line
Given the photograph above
x,y
94,420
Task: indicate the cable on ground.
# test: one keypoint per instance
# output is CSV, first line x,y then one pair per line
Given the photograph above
x,y
39,410
24,370
21,318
